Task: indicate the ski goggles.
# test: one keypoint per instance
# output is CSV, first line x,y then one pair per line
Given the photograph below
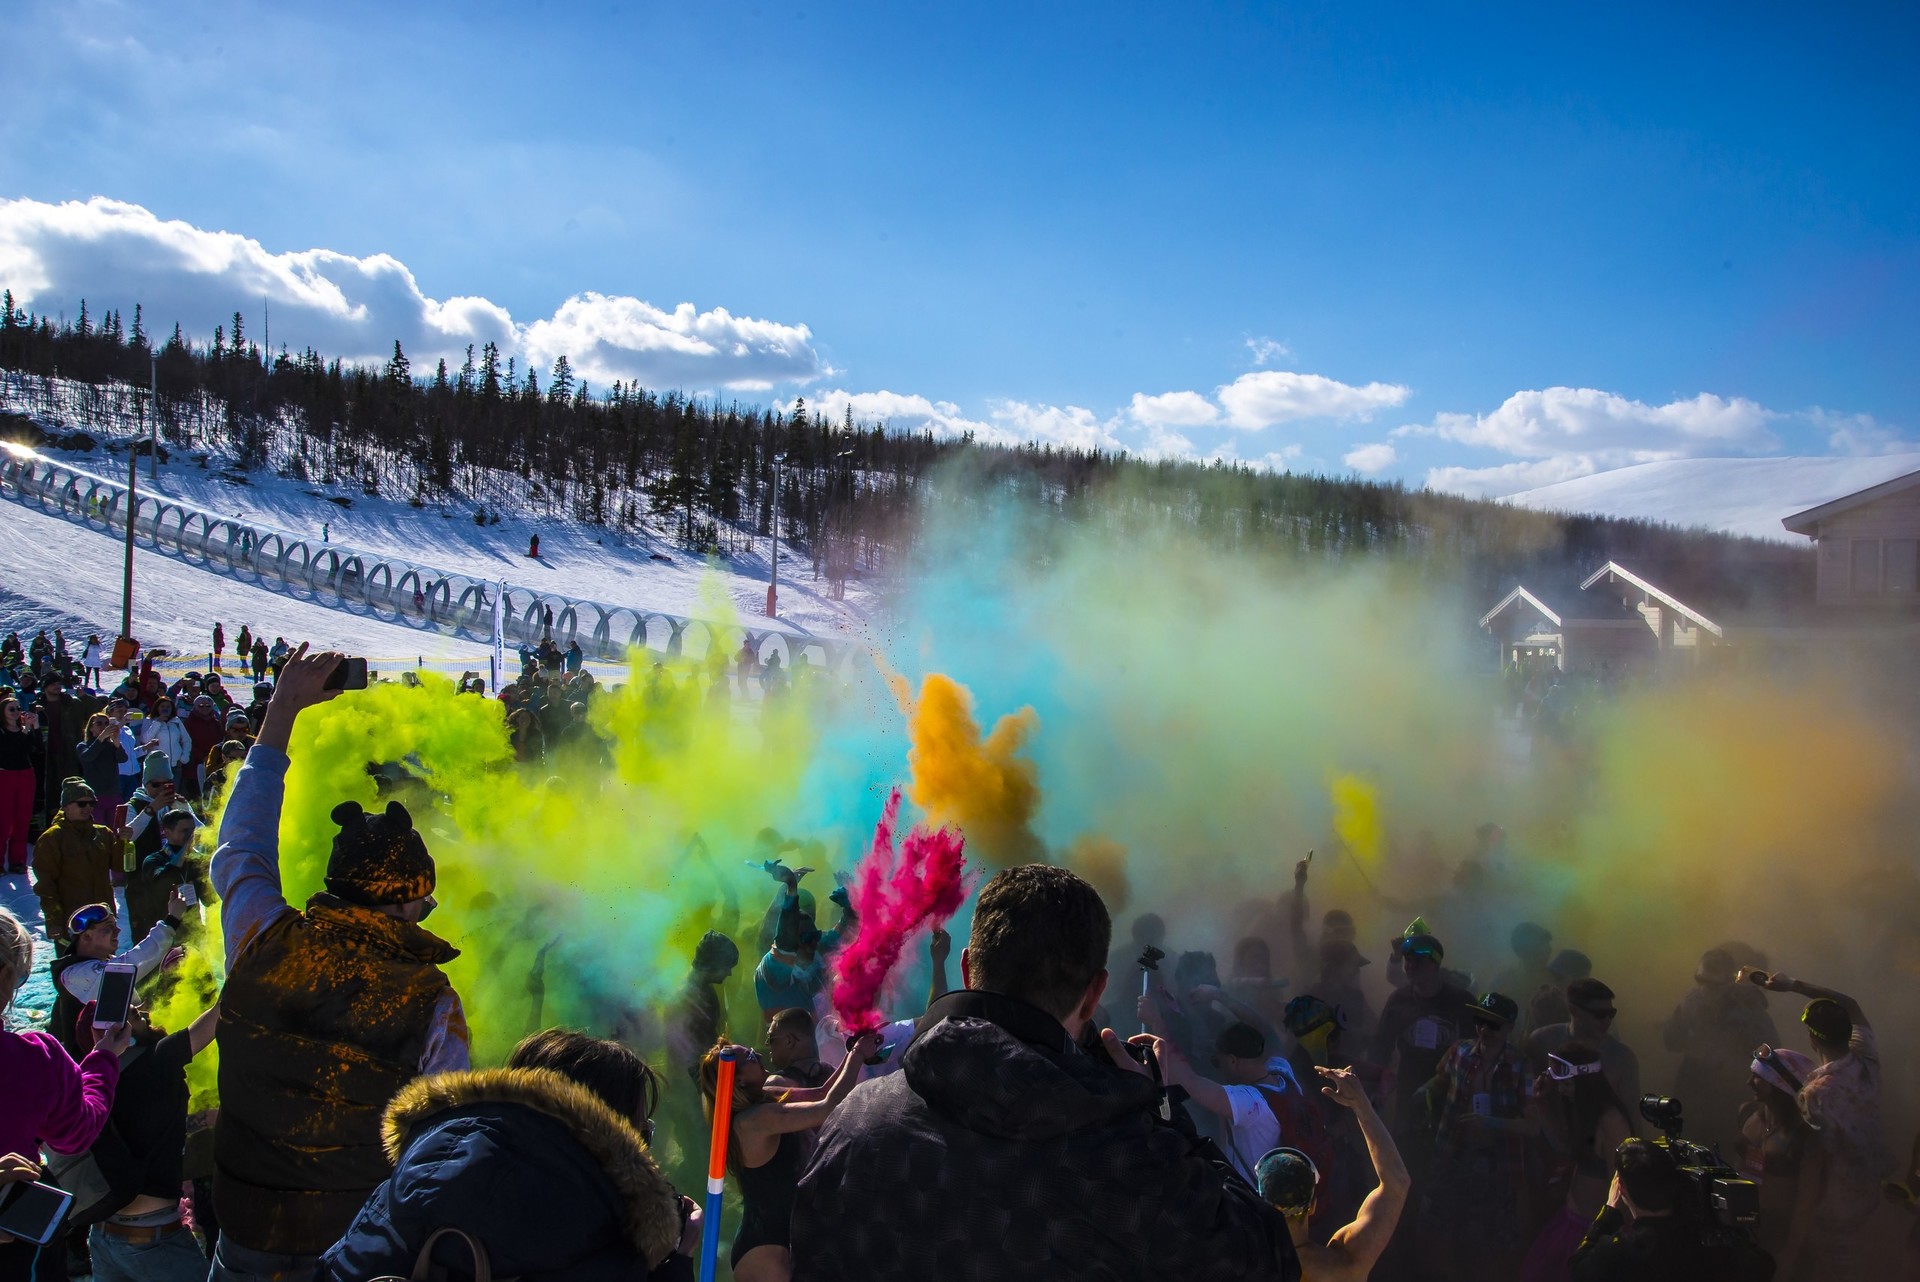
x,y
85,919
1565,1070
1766,1056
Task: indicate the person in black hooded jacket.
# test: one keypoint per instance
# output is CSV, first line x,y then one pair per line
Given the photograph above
x,y
545,1163
1003,1150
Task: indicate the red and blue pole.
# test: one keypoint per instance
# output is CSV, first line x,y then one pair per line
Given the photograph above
x,y
717,1165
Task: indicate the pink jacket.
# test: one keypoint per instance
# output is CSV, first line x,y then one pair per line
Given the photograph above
x,y
48,1099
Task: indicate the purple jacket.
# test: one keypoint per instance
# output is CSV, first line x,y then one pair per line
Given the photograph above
x,y
48,1098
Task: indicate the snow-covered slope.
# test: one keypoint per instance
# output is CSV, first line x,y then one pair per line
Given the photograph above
x,y
1746,496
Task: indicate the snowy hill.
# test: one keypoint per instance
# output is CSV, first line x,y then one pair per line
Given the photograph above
x,y
1746,496
59,572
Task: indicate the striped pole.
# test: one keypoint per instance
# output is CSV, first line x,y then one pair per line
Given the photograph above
x,y
717,1166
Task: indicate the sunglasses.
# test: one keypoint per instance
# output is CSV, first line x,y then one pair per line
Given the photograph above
x,y
1604,1013
85,804
1562,1070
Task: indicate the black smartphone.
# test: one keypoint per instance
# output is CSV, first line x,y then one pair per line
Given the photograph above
x,y
116,995
350,675
33,1212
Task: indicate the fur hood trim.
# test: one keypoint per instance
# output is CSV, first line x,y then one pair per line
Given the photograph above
x,y
650,1207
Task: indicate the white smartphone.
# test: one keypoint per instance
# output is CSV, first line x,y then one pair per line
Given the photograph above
x,y
116,995
188,895
33,1212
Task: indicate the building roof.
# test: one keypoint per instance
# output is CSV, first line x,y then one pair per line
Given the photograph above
x,y
1719,594
1564,608
1808,522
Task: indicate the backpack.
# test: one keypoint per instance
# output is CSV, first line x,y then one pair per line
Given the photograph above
x,y
424,1269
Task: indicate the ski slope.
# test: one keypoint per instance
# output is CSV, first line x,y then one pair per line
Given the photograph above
x,y
56,572
1745,496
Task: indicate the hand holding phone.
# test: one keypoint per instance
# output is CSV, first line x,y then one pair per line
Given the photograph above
x,y
29,1210
116,995
349,674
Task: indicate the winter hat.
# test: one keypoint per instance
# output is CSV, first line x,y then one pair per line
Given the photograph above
x,y
155,767
1783,1068
75,789
378,859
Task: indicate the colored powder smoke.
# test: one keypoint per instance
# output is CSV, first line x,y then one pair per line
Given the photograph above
x,y
896,895
980,785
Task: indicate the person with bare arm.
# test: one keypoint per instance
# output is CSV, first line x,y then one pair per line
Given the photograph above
x,y
1289,1181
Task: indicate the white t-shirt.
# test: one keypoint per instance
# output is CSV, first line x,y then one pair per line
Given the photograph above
x,y
1256,1131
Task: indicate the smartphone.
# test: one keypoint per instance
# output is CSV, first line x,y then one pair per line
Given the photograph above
x,y
119,816
188,895
350,675
116,995
33,1212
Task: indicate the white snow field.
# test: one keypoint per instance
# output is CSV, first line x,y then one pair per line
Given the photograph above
x,y
1747,496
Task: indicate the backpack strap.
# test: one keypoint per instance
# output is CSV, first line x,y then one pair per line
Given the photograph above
x,y
424,1271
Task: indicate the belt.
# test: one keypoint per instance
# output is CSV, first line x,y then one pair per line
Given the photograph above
x,y
140,1236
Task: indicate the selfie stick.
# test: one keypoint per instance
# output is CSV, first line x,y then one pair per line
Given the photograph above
x,y
717,1166
1149,963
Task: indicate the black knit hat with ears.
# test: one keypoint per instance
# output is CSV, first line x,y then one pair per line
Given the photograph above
x,y
378,859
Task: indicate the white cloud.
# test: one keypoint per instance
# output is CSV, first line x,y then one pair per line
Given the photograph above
x,y
1858,434
624,338
1268,350
1369,459
904,412
1557,420
1266,397
1067,425
1173,409
116,254
1511,478
1163,443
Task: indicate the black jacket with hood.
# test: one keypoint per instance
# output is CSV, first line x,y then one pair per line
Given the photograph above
x,y
534,1165
1003,1151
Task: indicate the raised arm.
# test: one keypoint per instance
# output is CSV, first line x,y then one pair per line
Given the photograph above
x,y
1781,983
246,865
1206,1092
1360,1243
939,947
778,1117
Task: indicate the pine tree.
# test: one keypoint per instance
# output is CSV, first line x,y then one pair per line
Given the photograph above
x,y
560,390
139,334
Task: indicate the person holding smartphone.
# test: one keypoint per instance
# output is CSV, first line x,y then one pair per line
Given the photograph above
x,y
95,931
48,1098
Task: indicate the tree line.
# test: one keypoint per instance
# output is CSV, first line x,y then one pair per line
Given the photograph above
x,y
853,496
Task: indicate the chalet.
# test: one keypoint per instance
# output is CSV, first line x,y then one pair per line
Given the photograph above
x,y
1859,597
1868,545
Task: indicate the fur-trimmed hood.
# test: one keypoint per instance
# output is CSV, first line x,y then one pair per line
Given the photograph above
x,y
650,1207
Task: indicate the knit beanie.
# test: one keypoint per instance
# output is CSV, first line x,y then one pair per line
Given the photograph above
x,y
378,859
74,789
155,767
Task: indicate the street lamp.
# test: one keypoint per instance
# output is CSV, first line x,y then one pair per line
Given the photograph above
x,y
773,580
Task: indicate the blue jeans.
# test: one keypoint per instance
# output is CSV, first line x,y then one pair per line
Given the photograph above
x,y
177,1257
235,1263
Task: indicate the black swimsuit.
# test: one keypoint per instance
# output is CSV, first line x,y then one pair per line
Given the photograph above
x,y
766,1196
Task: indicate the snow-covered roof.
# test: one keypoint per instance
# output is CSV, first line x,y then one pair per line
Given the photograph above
x,y
1808,522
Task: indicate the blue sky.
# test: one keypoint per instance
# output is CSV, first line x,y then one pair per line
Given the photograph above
x,y
1486,247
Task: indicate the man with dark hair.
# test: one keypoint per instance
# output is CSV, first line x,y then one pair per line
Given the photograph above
x,y
792,1052
1003,1150
1841,1101
326,1013
693,1021
1714,1029
1259,1099
1591,1015
1637,1237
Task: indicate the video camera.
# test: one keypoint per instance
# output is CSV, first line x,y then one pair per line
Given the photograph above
x,y
1714,1200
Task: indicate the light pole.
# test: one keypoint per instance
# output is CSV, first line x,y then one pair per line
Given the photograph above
x,y
773,581
153,397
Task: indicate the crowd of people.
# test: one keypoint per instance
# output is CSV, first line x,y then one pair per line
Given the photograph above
x,y
1290,1120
